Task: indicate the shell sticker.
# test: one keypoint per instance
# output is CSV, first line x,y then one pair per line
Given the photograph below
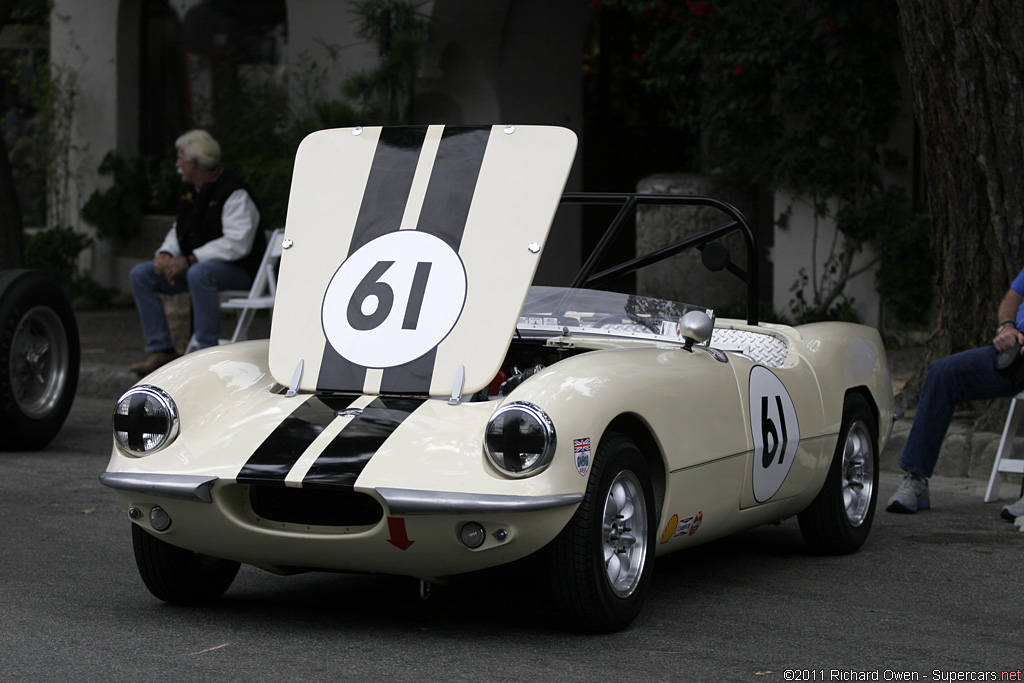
x,y
676,527
775,430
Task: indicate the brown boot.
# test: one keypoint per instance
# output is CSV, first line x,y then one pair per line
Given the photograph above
x,y
155,360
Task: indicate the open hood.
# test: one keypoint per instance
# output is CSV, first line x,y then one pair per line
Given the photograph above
x,y
408,254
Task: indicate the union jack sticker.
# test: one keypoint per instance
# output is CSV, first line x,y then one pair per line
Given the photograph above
x,y
581,451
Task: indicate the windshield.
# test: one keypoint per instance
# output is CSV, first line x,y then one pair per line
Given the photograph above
x,y
612,313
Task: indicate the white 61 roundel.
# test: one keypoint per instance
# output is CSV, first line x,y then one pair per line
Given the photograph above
x,y
775,429
394,299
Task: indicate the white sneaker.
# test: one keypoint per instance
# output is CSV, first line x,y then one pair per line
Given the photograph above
x,y
911,496
1012,512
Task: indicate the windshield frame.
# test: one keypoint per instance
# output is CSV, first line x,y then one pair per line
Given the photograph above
x,y
712,258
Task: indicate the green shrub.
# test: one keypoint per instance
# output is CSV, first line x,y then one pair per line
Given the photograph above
x,y
55,252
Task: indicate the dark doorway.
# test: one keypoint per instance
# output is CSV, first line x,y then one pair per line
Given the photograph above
x,y
195,54
625,130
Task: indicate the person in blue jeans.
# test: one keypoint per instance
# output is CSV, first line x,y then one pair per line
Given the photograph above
x,y
966,376
215,244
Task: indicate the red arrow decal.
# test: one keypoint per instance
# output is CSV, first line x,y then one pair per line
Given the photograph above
x,y
399,536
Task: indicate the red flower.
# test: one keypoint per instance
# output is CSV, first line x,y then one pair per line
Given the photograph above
x,y
829,25
638,58
698,8
738,69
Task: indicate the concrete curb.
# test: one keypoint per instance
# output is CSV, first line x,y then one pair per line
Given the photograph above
x,y
963,454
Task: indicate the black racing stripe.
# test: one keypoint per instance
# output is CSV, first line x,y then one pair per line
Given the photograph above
x,y
449,195
384,199
343,460
338,373
412,377
278,453
389,183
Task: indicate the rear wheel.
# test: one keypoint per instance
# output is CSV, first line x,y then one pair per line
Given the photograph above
x,y
601,563
39,359
179,576
838,521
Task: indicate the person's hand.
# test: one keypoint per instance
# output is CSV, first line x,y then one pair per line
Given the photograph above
x,y
1007,337
160,262
175,266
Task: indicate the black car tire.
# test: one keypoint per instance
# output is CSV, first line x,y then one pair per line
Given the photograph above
x,y
178,576
39,359
579,568
839,519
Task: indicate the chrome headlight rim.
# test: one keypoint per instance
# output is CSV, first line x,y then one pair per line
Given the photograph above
x,y
547,427
166,410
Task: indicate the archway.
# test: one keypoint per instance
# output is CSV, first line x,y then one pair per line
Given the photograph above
x,y
197,57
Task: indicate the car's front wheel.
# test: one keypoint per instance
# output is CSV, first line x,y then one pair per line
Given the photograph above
x,y
601,563
837,522
178,576
39,359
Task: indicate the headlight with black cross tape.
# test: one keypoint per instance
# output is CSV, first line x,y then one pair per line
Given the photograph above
x,y
145,420
520,439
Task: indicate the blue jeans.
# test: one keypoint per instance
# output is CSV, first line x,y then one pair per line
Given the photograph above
x,y
966,376
202,280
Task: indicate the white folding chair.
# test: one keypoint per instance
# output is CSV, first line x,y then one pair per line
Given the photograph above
x,y
1005,462
259,297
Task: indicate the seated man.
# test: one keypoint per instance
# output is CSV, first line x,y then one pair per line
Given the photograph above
x,y
215,244
966,376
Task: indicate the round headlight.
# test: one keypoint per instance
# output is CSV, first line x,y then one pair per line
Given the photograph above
x,y
145,420
520,439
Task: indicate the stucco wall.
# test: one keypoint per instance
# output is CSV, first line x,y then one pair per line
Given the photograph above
x,y
80,37
797,248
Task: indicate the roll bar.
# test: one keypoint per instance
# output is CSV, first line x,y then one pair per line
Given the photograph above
x,y
628,203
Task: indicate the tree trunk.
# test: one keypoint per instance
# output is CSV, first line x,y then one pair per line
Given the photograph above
x,y
12,239
965,59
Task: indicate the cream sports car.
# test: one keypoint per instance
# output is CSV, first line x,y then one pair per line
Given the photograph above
x,y
421,410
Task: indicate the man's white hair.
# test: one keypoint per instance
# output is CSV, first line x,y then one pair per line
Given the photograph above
x,y
200,147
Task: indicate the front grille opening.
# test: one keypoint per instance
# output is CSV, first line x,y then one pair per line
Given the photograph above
x,y
315,507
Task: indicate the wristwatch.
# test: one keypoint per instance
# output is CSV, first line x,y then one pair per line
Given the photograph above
x,y
1005,323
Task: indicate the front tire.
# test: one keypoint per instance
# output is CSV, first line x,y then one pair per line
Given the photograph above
x,y
39,359
839,519
179,576
601,563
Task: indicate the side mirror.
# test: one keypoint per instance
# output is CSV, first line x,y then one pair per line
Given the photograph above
x,y
695,327
715,256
